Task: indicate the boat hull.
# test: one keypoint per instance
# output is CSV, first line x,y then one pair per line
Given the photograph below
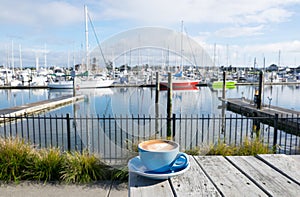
x,y
81,84
180,85
61,85
94,83
219,84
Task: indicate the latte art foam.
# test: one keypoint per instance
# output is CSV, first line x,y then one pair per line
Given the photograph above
x,y
158,146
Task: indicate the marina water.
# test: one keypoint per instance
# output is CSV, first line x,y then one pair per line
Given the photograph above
x,y
137,100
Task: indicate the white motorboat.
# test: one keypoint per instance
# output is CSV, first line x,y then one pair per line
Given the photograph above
x,y
90,82
93,82
60,84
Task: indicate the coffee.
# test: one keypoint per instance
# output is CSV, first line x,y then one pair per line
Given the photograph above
x,y
158,145
160,155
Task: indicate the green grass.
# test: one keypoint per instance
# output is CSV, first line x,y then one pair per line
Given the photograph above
x,y
248,147
83,168
21,161
15,157
120,174
45,166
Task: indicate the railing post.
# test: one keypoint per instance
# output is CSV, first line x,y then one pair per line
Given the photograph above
x,y
224,86
68,131
174,125
260,90
297,129
169,105
275,132
157,88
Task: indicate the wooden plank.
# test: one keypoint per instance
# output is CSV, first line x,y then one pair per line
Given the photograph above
x,y
44,105
193,182
270,110
142,186
268,179
229,180
242,106
285,164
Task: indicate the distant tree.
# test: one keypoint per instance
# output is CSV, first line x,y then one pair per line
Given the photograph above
x,y
109,65
122,68
298,69
272,67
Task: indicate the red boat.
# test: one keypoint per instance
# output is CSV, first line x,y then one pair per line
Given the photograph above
x,y
184,84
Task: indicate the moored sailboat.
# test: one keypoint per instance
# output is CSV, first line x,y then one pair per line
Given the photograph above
x,y
83,78
180,81
60,85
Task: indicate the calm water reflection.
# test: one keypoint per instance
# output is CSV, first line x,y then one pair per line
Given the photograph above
x,y
122,101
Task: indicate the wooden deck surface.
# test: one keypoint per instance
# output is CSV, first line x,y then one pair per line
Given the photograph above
x,y
262,175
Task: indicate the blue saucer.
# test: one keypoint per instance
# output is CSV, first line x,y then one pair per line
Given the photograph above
x,y
135,165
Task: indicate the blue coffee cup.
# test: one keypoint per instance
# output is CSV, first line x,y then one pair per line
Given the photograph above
x,y
160,156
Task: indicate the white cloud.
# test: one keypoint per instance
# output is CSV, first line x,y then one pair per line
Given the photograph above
x,y
61,13
39,13
238,55
289,47
47,21
239,31
155,12
276,15
213,11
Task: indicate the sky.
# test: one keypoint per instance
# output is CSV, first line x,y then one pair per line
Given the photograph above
x,y
235,32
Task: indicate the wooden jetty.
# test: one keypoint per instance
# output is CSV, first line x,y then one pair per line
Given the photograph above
x,y
286,119
36,107
261,175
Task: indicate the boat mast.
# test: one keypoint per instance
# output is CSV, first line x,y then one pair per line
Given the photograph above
x,y
181,47
279,58
12,57
20,57
86,37
45,56
215,46
227,55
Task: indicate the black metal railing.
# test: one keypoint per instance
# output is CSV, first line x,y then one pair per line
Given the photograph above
x,y
114,137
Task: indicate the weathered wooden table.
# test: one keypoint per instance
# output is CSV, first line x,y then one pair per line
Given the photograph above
x,y
263,175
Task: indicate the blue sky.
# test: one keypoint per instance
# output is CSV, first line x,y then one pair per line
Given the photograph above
x,y
243,29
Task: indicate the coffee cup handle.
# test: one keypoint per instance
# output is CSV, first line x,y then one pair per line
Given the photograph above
x,y
180,162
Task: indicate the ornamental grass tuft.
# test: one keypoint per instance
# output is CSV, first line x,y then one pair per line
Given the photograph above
x,y
45,166
248,147
253,147
21,161
120,174
15,157
83,168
